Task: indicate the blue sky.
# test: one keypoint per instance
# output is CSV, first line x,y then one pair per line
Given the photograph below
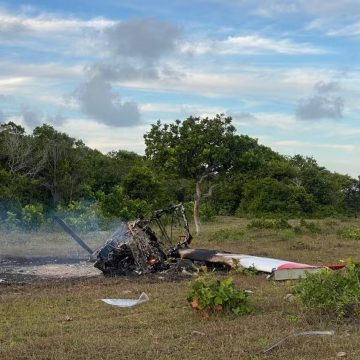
x,y
103,71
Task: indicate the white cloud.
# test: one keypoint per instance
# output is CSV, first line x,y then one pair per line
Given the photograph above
x,y
300,144
274,8
106,138
352,30
11,84
51,70
262,119
20,23
248,45
259,82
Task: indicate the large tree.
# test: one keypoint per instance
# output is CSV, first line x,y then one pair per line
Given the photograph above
x,y
199,149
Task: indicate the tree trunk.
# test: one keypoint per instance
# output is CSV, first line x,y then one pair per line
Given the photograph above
x,y
197,208
198,196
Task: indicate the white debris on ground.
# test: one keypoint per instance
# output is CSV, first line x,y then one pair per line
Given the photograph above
x,y
127,302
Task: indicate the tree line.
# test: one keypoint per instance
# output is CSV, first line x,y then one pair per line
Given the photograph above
x,y
202,162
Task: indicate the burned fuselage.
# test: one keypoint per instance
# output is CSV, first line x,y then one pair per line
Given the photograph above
x,y
135,248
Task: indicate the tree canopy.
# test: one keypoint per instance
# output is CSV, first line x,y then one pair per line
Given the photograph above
x,y
199,160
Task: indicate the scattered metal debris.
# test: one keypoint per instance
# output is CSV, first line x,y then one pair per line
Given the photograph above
x,y
127,302
341,354
195,332
305,333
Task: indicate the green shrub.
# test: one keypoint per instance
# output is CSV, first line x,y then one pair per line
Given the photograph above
x,y
207,212
267,196
250,271
211,295
134,209
82,216
350,233
32,216
277,224
118,205
12,222
331,292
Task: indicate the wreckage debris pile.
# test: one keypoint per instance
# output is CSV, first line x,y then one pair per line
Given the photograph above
x,y
134,251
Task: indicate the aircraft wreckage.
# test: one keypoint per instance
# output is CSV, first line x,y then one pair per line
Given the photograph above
x,y
136,248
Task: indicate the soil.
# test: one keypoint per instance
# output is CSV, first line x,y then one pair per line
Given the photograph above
x,y
15,269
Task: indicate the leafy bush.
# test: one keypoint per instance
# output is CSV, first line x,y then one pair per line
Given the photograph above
x,y
268,224
117,204
269,196
133,209
29,217
250,271
207,213
12,222
32,216
210,295
350,233
331,292
82,216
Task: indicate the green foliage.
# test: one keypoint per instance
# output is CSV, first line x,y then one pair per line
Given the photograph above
x,y
12,221
133,209
32,216
207,213
51,168
193,147
29,217
141,184
118,205
331,292
277,224
270,196
250,271
350,233
82,216
211,295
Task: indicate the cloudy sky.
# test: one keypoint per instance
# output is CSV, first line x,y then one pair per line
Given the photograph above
x,y
286,71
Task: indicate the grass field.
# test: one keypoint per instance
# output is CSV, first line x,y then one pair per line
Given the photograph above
x,y
64,319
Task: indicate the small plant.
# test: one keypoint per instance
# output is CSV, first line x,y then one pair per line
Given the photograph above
x,y
210,295
250,271
350,233
331,292
277,224
292,319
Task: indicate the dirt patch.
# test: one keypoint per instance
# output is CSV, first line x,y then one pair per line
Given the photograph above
x,y
27,269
